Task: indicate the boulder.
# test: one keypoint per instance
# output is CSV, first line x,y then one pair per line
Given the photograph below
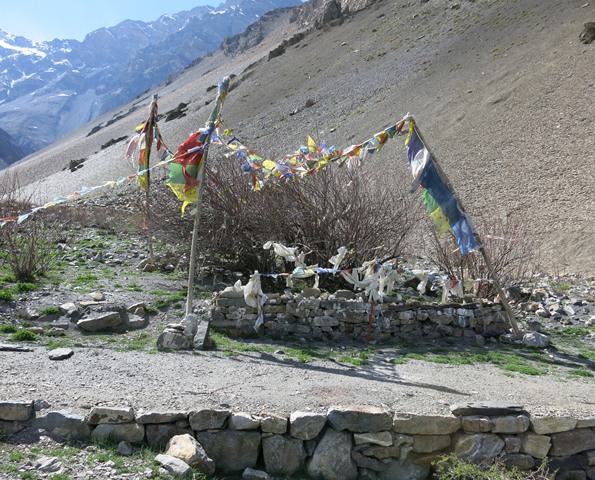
x,y
332,458
208,419
305,425
15,411
99,415
107,321
425,424
64,425
479,447
359,419
231,450
186,448
174,466
127,432
283,455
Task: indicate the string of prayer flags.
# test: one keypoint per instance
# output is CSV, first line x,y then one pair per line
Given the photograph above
x,y
141,143
305,161
437,195
187,163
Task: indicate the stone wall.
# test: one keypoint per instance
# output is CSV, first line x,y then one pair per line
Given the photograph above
x,y
344,316
346,443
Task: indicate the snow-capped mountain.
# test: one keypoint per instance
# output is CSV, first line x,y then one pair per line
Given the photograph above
x,y
48,89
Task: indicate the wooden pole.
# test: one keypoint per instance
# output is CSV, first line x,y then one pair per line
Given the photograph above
x,y
149,142
489,265
210,126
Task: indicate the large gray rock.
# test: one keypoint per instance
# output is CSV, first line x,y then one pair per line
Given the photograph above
x,y
332,458
172,339
107,321
127,432
404,471
413,424
535,340
99,415
273,423
208,419
186,448
64,425
15,411
479,447
243,421
305,425
359,419
547,425
510,424
571,442
283,455
537,446
231,450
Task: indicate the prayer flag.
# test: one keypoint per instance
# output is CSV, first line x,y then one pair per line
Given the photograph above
x,y
437,195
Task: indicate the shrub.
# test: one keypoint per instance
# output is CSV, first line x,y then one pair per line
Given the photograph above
x,y
29,247
332,208
513,253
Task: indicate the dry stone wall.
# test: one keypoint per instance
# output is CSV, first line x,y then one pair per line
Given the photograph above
x,y
346,443
344,316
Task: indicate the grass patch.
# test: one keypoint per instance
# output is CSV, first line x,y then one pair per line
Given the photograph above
x,y
86,279
508,360
580,372
23,336
50,310
6,295
8,328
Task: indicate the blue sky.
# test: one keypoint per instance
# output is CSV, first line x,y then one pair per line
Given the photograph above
x,y
48,19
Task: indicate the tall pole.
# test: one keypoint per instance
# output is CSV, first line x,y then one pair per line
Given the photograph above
x,y
206,139
484,253
148,143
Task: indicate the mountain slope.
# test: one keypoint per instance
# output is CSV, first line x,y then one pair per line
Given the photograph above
x,y
502,90
48,89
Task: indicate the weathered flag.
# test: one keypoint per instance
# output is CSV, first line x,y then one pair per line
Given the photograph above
x,y
183,171
437,195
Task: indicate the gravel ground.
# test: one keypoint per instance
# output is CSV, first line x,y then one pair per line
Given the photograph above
x,y
254,382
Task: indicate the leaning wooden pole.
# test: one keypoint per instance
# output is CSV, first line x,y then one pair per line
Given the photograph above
x,y
150,135
484,253
210,127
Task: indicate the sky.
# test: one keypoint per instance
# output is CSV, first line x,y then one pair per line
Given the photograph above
x,y
44,20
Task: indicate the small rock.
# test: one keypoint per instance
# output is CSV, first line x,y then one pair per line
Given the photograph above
x,y
125,448
60,353
535,339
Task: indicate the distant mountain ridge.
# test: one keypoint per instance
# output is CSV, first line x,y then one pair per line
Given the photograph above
x,y
48,89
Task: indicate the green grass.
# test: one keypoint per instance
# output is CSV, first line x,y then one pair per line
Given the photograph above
x,y
86,279
8,328
507,360
6,295
450,467
50,310
23,336
580,372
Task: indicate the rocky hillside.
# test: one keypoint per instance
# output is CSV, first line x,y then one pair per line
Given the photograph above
x,y
502,91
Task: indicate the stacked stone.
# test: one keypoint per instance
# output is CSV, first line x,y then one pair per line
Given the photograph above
x,y
345,443
343,316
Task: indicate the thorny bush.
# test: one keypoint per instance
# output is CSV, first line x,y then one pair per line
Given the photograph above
x,y
332,208
508,243
28,248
